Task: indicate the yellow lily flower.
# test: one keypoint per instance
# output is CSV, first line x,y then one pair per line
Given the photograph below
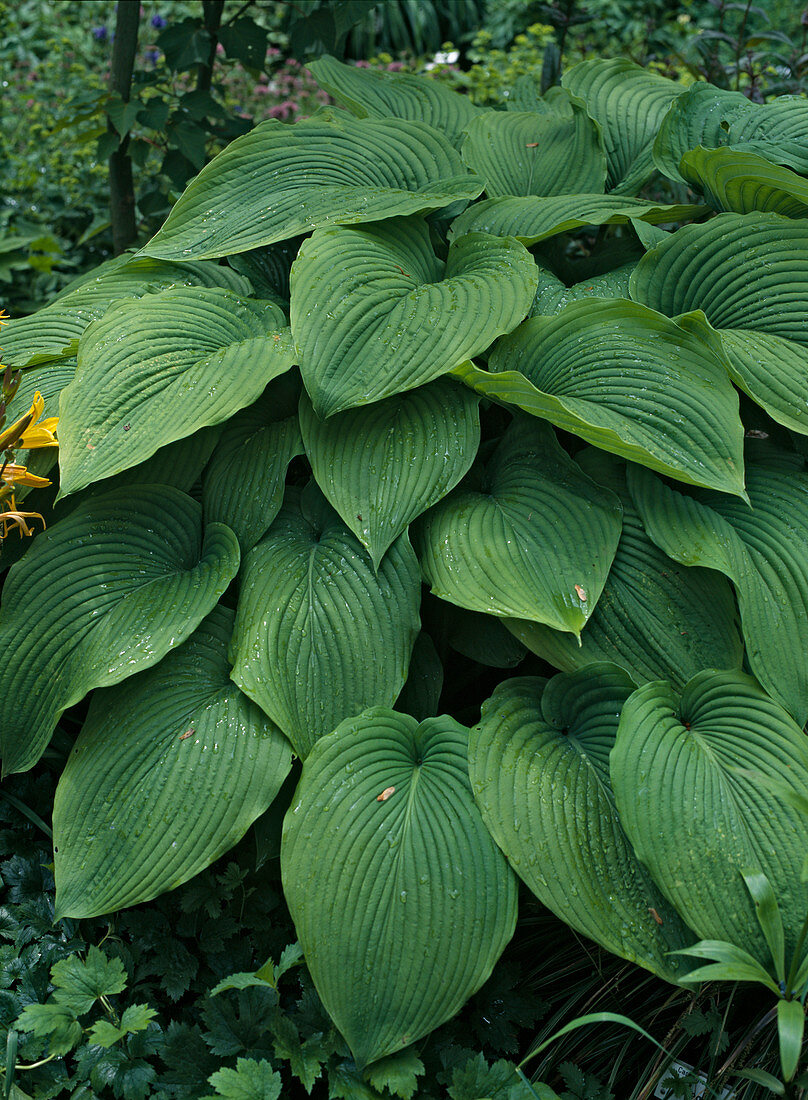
x,y
26,433
12,474
10,516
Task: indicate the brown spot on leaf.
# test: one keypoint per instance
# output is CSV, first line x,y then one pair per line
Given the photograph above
x,y
385,794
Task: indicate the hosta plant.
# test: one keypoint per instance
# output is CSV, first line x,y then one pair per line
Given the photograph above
x,y
410,378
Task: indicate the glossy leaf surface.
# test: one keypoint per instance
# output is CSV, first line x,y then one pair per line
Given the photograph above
x,y
127,825
123,579
539,767
320,634
383,465
527,535
400,898
374,311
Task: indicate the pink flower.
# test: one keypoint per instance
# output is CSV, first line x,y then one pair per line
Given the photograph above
x,y
219,49
261,89
363,64
280,110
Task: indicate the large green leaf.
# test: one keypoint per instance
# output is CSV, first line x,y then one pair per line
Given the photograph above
x,y
776,130
629,103
48,381
375,312
243,484
528,535
105,592
702,115
747,275
691,756
655,618
400,899
627,380
51,332
539,767
154,751
320,633
764,552
534,218
280,180
745,183
552,294
421,693
372,93
154,370
556,152
383,465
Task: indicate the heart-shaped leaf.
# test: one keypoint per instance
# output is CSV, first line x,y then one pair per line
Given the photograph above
x,y
529,531
105,592
374,311
534,218
51,332
655,618
126,816
552,294
692,756
154,370
627,380
763,549
744,182
320,634
539,767
747,275
401,901
244,483
701,115
383,465
629,103
555,152
279,181
373,93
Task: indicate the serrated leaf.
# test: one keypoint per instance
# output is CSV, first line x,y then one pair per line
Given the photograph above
x,y
421,851
627,380
184,734
80,982
375,312
52,1022
539,767
554,152
155,370
397,1073
763,549
481,547
382,466
690,755
250,1080
123,579
279,181
655,618
347,630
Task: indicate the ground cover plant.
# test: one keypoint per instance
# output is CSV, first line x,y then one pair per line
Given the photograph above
x,y
404,378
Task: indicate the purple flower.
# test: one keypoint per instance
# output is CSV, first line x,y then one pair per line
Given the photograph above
x,y
152,56
158,22
100,33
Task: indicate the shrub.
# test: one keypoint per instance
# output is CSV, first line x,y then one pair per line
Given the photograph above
x,y
248,506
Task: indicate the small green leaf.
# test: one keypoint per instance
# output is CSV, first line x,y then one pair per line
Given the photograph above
x,y
790,1030
250,1080
398,1073
79,983
769,918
